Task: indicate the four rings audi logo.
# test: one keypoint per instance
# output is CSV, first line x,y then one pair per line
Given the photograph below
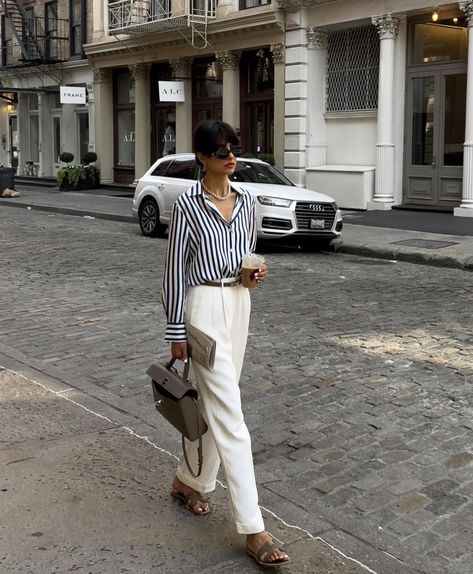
x,y
317,207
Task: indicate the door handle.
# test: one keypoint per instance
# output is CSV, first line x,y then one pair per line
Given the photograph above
x,y
434,162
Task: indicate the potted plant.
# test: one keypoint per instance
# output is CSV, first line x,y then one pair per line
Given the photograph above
x,y
77,177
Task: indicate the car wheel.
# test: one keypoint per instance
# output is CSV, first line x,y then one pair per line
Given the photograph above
x,y
148,216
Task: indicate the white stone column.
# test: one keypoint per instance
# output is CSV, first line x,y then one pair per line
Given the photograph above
x,y
277,50
46,139
182,70
295,121
383,198
466,205
316,68
231,87
140,74
103,103
91,107
23,133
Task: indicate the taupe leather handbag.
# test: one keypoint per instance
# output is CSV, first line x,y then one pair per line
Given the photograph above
x,y
176,399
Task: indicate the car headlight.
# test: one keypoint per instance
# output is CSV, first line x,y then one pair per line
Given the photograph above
x,y
274,201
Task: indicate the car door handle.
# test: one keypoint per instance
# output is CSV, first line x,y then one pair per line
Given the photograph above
x,y
160,186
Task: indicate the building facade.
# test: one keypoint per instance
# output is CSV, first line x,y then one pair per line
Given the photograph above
x,y
228,58
367,100
41,50
377,109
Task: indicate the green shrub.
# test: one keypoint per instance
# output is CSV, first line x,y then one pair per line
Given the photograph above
x,y
89,157
74,174
66,157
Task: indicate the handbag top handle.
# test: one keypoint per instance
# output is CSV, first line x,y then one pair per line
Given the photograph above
x,y
185,374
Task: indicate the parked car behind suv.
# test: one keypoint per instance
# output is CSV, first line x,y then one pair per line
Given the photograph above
x,y
282,208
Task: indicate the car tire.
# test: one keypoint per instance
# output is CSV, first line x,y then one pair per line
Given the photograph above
x,y
148,216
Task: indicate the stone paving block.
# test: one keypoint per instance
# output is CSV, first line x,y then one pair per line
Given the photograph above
x,y
460,460
446,504
410,503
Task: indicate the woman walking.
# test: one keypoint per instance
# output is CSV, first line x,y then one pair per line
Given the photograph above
x,y
212,227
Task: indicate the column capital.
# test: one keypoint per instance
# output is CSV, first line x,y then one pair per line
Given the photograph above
x,y
102,75
181,68
139,71
277,50
387,26
227,59
467,7
316,38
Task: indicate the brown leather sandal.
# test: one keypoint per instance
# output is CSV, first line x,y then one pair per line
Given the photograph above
x,y
264,552
190,501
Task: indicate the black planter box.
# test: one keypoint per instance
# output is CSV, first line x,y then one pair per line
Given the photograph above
x,y
90,182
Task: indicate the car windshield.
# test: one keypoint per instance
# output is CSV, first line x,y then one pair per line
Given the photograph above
x,y
254,172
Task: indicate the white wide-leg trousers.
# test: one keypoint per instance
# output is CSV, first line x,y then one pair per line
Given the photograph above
x,y
223,313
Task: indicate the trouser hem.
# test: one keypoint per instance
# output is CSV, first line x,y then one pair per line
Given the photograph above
x,y
253,528
195,483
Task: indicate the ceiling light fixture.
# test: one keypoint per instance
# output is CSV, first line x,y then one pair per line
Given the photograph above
x,y
435,15
455,20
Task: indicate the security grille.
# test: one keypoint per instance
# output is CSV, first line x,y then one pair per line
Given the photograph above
x,y
352,69
314,216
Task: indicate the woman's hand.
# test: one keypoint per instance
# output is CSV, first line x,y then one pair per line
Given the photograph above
x,y
179,350
261,274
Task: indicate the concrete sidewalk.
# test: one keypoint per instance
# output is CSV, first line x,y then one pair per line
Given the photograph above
x,y
83,488
419,237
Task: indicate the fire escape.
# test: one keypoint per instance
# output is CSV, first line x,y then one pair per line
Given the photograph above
x,y
137,17
33,43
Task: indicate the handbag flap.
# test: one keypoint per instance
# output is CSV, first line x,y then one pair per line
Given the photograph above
x,y
171,381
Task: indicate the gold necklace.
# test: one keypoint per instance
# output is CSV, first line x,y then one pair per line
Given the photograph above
x,y
214,195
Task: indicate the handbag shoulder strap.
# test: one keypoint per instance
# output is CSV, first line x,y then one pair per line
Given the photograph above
x,y
199,452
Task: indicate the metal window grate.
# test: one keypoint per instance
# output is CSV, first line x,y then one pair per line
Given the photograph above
x,y
352,69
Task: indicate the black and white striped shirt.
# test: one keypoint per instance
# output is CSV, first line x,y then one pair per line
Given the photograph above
x,y
202,247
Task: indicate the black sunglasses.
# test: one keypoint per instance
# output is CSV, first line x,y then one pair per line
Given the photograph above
x,y
224,153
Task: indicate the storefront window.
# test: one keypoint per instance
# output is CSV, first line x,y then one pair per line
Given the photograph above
x,y
125,89
126,137
208,79
443,41
261,76
257,111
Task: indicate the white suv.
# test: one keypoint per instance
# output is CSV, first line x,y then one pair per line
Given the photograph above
x,y
282,208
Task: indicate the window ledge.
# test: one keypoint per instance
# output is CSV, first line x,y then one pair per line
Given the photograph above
x,y
350,115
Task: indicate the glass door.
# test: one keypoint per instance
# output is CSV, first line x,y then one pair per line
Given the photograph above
x,y
435,135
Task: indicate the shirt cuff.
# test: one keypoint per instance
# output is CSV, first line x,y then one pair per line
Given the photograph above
x,y
175,332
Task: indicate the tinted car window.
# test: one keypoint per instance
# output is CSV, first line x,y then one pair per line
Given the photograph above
x,y
182,169
161,168
253,172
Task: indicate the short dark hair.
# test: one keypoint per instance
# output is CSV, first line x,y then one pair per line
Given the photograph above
x,y
211,134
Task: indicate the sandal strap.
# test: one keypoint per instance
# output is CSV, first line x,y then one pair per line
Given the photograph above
x,y
194,498
265,550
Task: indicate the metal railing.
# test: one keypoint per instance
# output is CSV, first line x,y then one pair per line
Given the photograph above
x,y
141,16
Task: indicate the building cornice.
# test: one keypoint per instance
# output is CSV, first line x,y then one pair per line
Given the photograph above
x,y
142,46
296,4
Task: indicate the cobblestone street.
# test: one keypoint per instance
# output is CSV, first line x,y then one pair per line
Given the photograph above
x,y
357,385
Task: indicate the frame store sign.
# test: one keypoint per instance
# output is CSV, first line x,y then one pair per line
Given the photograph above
x,y
172,92
72,95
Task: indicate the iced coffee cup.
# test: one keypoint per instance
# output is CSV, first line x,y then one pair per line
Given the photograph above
x,y
251,263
